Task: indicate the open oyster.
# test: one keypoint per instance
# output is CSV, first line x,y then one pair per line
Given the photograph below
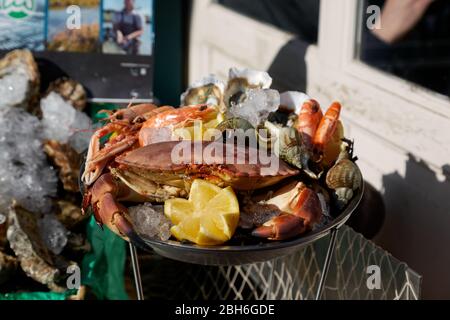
x,y
209,90
241,81
71,91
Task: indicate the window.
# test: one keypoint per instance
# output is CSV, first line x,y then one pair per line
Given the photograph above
x,y
299,17
411,40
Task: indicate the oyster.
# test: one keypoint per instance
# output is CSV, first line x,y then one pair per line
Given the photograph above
x,y
34,257
240,81
67,160
292,101
19,80
209,90
71,91
69,214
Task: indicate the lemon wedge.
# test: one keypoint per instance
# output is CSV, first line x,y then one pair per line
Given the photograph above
x,y
210,216
199,131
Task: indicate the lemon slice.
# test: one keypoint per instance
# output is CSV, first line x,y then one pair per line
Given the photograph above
x,y
199,130
209,217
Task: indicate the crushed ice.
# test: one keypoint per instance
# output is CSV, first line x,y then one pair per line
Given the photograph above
x,y
24,172
14,86
62,122
257,106
149,222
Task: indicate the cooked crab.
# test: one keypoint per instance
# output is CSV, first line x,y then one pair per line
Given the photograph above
x,y
159,172
138,126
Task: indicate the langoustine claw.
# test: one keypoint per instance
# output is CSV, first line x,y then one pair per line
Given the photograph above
x,y
308,121
327,127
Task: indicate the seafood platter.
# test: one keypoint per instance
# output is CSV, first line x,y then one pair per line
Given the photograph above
x,y
42,228
239,173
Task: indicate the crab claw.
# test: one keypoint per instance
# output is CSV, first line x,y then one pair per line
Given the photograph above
x,y
301,211
108,211
281,228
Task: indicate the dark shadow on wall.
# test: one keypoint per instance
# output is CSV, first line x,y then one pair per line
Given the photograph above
x,y
288,69
417,224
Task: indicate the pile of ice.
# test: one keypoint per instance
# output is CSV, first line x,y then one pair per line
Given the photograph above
x,y
62,122
24,172
149,222
257,107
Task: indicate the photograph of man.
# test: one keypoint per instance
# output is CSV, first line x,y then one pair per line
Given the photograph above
x,y
128,27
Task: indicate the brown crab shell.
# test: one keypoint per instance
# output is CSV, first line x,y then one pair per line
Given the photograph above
x,y
344,174
155,161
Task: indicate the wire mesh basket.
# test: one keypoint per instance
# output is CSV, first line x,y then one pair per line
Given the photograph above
x,y
293,277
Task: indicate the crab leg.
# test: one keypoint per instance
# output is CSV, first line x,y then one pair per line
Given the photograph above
x,y
102,197
97,158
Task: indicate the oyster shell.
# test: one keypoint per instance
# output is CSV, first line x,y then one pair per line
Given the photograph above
x,y
8,266
3,227
69,214
67,160
71,91
292,101
242,80
26,242
19,80
209,90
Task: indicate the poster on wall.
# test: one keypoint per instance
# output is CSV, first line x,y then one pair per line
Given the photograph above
x,y
105,44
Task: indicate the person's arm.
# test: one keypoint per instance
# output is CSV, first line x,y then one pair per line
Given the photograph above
x,y
399,17
116,29
139,30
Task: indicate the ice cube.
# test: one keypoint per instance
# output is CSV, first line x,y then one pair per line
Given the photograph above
x,y
257,106
149,222
62,122
53,233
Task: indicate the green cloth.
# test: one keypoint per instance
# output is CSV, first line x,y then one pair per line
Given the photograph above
x,y
103,268
38,295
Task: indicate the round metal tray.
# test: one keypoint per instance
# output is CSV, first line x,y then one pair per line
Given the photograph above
x,y
243,254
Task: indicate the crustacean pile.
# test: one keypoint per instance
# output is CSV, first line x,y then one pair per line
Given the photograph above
x,y
285,166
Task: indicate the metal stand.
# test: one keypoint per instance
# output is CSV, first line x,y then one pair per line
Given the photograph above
x,y
323,277
326,264
136,272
